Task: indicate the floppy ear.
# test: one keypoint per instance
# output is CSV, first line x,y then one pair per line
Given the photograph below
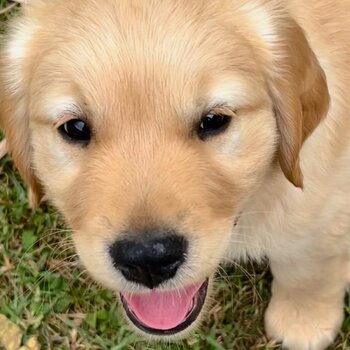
x,y
13,121
13,107
300,94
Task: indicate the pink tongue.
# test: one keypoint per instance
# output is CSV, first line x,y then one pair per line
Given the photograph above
x,y
162,309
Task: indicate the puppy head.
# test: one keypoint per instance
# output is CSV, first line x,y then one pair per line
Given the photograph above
x,y
148,125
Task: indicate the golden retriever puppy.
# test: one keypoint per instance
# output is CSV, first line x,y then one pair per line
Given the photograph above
x,y
174,135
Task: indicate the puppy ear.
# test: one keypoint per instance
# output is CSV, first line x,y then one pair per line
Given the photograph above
x,y
300,94
14,123
14,119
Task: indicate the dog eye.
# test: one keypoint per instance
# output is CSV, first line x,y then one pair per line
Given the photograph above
x,y
212,124
76,130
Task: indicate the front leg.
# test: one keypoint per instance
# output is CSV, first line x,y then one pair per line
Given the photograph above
x,y
307,305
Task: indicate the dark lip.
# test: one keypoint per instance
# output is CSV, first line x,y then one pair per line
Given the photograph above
x,y
190,318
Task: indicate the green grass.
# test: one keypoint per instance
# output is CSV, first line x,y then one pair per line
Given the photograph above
x,y
45,291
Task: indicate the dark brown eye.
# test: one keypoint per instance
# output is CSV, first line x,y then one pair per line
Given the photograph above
x,y
76,131
212,124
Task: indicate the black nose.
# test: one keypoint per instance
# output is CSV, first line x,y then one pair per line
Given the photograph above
x,y
149,261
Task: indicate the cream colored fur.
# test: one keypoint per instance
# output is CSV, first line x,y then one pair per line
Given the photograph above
x,y
143,72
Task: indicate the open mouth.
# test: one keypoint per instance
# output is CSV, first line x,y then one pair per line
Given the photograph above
x,y
165,312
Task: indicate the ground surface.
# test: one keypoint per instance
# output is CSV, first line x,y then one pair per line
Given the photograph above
x,y
45,292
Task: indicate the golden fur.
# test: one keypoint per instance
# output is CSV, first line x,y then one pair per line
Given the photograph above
x,y
142,73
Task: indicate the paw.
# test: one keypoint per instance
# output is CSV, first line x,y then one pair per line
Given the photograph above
x,y
302,325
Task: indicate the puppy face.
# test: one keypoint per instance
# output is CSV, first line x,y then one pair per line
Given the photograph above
x,y
148,125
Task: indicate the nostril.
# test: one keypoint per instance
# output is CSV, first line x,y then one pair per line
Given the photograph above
x,y
135,273
130,270
149,261
171,267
